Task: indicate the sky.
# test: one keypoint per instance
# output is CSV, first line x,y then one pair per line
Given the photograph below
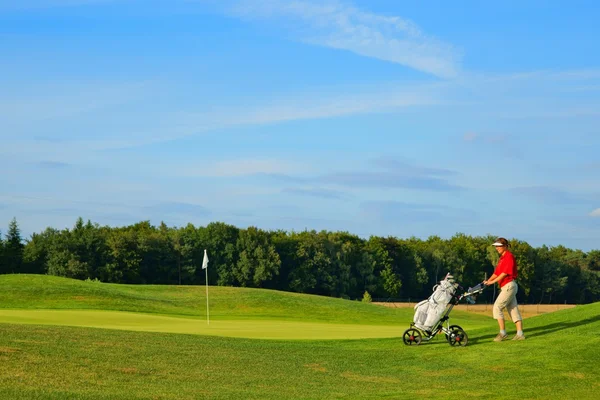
x,y
386,118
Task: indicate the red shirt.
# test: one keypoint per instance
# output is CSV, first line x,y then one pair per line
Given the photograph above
x,y
508,265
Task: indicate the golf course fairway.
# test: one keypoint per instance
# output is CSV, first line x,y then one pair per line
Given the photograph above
x,y
67,339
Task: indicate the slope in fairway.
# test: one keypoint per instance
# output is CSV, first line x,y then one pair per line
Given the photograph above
x,y
259,329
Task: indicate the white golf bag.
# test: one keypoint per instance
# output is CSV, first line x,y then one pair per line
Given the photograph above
x,y
428,312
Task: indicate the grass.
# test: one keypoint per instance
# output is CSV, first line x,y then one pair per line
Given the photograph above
x,y
259,329
558,359
49,292
235,312
226,303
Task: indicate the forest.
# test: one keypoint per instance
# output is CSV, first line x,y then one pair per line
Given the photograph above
x,y
336,264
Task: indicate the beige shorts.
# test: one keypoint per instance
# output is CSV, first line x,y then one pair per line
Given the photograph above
x,y
507,299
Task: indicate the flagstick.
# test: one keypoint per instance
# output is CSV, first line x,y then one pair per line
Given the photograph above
x,y
207,314
205,267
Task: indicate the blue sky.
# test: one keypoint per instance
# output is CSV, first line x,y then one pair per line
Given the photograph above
x,y
412,118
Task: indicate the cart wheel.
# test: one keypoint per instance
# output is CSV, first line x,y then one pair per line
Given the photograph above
x,y
412,337
452,327
458,337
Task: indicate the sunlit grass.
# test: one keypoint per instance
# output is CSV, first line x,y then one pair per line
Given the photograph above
x,y
61,362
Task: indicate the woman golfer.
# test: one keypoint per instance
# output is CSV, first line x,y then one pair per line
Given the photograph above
x,y
505,275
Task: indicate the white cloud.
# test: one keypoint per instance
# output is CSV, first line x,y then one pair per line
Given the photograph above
x,y
474,137
314,105
65,100
233,168
93,105
595,213
343,26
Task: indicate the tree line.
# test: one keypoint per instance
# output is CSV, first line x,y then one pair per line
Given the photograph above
x,y
338,264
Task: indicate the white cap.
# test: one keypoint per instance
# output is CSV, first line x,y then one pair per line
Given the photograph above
x,y
500,242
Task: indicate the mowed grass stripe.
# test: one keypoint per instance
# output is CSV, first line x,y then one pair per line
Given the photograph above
x,y
257,329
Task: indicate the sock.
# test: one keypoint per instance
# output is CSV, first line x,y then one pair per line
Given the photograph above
x,y
520,333
503,332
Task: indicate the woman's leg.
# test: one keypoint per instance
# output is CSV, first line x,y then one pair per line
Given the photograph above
x,y
500,304
513,308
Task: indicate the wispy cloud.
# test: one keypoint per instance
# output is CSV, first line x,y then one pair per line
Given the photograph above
x,y
285,178
389,180
58,104
233,168
47,139
484,137
340,25
52,164
595,213
547,194
403,212
484,142
401,166
177,208
315,104
466,94
317,192
397,173
65,100
46,106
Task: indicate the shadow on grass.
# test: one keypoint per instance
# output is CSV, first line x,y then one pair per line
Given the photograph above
x,y
538,330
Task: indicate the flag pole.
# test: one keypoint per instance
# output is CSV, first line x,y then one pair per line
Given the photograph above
x,y
205,268
207,312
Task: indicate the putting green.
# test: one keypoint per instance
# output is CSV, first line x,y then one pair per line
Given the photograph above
x,y
257,329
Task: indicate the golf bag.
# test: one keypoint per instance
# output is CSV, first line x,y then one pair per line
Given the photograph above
x,y
428,312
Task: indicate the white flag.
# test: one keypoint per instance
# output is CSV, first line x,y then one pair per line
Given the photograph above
x,y
205,261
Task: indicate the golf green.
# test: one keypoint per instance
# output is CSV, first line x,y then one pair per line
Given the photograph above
x,y
256,329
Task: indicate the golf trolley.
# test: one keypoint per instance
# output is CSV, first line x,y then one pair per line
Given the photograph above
x,y
455,335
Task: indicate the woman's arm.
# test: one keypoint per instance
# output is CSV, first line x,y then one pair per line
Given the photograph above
x,y
487,280
493,279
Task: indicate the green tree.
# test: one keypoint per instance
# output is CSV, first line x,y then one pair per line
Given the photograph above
x,y
67,264
258,261
525,257
286,245
374,260
394,267
192,253
594,260
367,297
313,273
125,259
153,248
351,266
549,281
391,281
38,249
219,239
183,242
13,248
